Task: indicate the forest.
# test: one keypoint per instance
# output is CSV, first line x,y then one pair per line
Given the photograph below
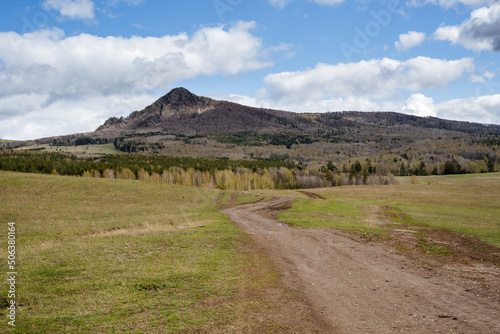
x,y
226,173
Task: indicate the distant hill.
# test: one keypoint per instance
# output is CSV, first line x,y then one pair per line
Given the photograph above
x,y
184,124
182,112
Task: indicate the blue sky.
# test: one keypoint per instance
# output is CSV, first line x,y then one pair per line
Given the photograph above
x,y
68,65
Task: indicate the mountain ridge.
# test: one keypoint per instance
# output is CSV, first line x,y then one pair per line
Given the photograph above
x,y
181,123
181,111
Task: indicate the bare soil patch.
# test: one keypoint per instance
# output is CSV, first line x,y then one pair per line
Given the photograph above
x,y
312,195
417,280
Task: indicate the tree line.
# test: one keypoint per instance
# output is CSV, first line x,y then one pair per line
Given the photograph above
x,y
200,172
68,164
219,173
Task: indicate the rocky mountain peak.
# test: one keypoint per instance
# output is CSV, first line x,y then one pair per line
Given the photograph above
x,y
177,102
180,96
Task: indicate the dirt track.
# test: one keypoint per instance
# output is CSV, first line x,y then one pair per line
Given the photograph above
x,y
363,287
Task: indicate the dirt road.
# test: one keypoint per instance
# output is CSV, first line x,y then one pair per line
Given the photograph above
x,y
363,287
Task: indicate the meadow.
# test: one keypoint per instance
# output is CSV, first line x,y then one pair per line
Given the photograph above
x,y
119,256
124,256
467,204
80,149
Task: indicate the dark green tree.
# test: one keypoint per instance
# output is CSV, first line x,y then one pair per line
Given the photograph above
x,y
490,165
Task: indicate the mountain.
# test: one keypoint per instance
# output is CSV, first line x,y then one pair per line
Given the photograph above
x,y
184,124
182,112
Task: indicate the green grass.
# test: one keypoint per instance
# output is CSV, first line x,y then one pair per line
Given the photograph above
x,y
118,256
335,212
465,203
82,149
432,248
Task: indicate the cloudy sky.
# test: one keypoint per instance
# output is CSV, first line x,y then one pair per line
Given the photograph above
x,y
68,65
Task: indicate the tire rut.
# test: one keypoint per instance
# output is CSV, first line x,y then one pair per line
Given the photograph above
x,y
356,287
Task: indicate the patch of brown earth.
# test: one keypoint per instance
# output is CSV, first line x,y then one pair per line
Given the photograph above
x,y
404,283
311,195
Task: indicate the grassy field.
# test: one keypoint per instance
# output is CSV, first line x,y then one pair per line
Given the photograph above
x,y
82,149
465,203
119,256
116,256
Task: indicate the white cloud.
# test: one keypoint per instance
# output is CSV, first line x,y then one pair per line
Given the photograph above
x,y
409,40
474,78
64,116
450,3
279,3
489,75
328,2
480,32
52,72
378,78
282,3
419,105
73,9
128,2
377,85
261,100
482,109
86,64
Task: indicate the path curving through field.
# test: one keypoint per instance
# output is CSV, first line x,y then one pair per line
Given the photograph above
x,y
359,287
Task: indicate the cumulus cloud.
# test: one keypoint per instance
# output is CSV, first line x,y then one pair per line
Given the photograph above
x,y
73,9
480,32
86,64
378,85
482,109
64,116
47,67
419,105
409,40
378,78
